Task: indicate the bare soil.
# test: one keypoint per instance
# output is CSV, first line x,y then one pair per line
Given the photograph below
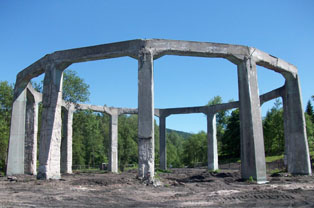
x,y
186,187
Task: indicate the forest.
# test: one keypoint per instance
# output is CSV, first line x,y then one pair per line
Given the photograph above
x,y
91,132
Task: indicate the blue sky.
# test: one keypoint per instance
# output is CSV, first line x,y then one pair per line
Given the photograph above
x,y
283,28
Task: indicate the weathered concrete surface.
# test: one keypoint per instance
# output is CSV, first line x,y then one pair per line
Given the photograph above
x,y
252,141
297,151
17,132
50,135
145,51
146,147
162,143
160,47
31,130
212,149
113,150
66,142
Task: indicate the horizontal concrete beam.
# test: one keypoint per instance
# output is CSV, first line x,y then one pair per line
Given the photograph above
x,y
271,62
162,112
212,109
158,47
163,47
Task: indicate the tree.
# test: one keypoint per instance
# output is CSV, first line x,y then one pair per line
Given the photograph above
x,y
309,110
274,130
74,88
195,149
127,152
231,138
6,98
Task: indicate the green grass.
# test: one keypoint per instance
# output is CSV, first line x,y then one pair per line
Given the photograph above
x,y
273,158
92,170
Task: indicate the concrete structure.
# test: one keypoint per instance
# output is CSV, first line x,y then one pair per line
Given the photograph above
x,y
210,112
146,51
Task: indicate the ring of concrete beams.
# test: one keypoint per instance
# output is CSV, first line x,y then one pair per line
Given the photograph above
x,y
244,57
159,48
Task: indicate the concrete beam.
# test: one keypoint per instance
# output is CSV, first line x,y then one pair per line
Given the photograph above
x,y
113,150
31,131
212,149
159,47
163,47
17,132
297,150
162,143
252,141
50,137
146,146
271,62
66,142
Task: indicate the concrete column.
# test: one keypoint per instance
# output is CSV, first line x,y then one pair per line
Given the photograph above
x,y
162,143
146,169
286,130
212,152
298,159
66,143
113,150
17,132
50,135
252,141
31,130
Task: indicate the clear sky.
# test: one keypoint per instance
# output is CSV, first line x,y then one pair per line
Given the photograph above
x,y
283,28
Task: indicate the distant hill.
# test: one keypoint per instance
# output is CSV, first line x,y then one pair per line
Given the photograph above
x,y
182,134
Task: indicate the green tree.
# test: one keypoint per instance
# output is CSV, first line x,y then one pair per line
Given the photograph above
x,y
74,88
195,149
309,110
6,98
128,151
309,131
274,130
174,149
231,138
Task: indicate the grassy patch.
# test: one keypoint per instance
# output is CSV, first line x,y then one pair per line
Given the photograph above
x,y
214,171
274,158
92,170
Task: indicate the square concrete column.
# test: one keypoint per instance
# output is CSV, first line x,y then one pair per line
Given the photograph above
x,y
286,130
252,141
66,143
146,147
297,150
162,143
17,132
50,135
113,149
31,131
212,152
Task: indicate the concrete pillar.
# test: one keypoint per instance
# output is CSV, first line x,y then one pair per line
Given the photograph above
x,y
31,130
113,150
50,135
298,159
146,169
66,143
252,141
286,130
162,143
17,132
212,152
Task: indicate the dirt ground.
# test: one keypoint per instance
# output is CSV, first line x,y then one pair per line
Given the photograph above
x,y
184,187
